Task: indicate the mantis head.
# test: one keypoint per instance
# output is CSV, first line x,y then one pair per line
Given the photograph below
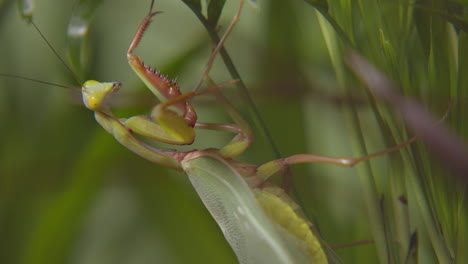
x,y
95,94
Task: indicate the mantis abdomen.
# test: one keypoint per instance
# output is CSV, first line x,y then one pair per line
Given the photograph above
x,y
262,225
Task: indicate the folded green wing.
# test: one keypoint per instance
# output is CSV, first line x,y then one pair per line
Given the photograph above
x,y
232,203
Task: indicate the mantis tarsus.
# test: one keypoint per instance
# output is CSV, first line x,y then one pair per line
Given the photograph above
x,y
262,224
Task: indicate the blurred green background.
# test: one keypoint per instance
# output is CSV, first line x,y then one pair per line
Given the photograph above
x,y
69,193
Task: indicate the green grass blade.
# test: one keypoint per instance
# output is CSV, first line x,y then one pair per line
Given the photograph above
x,y
79,50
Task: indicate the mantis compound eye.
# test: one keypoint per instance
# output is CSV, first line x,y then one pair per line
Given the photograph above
x,y
116,86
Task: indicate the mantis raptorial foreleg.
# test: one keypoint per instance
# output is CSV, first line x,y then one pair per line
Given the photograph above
x,y
164,124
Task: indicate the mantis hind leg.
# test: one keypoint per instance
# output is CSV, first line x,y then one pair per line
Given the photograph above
x,y
281,165
219,46
271,168
241,128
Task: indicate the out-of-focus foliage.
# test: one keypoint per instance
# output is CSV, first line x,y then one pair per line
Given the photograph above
x,y
26,9
79,51
69,193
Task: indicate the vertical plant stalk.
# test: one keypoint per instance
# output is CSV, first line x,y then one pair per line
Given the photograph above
x,y
244,93
329,28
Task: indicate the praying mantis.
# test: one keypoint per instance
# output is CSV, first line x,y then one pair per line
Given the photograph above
x,y
252,209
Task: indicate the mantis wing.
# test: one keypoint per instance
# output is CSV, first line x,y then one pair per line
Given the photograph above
x,y
232,203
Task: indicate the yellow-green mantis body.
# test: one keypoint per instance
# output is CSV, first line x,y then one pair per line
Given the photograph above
x,y
258,219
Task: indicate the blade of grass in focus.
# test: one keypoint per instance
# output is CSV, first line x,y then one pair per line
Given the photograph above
x,y
417,48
